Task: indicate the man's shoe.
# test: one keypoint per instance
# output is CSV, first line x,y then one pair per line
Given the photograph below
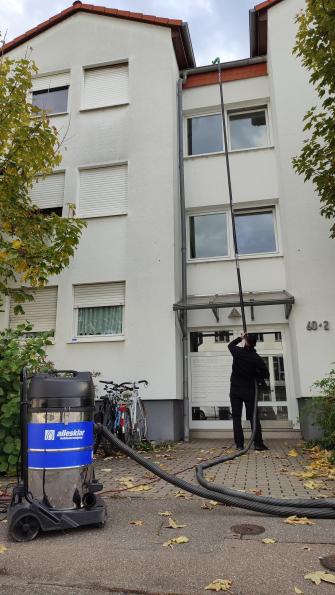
x,y
261,447
239,447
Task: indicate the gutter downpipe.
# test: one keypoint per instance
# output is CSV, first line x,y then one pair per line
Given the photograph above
x,y
183,314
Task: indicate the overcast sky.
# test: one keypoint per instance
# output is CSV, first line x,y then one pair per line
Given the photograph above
x,y
218,27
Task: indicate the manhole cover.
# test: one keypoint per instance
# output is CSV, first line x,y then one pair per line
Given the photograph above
x,y
328,562
248,529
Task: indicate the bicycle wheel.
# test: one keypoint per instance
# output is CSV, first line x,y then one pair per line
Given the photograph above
x,y
140,431
126,433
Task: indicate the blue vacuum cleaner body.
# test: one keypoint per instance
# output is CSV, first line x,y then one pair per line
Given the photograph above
x,y
58,488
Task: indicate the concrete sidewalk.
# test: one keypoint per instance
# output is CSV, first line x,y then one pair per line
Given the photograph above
x,y
124,558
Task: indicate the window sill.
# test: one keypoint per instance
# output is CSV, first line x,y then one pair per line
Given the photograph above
x,y
231,152
56,114
96,339
99,216
231,259
103,107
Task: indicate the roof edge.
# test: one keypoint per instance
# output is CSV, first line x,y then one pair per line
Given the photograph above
x,y
177,26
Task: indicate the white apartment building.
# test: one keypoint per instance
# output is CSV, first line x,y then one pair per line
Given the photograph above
x,y
151,291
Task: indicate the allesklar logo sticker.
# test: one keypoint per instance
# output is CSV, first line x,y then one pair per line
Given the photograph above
x,y
49,434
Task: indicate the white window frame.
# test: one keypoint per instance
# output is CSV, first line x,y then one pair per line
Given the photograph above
x,y
238,211
50,74
188,235
257,211
96,338
245,111
192,117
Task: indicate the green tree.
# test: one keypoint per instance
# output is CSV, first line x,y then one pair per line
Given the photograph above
x,y
315,45
33,246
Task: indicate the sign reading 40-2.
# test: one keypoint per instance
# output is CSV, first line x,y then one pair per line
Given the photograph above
x,y
314,325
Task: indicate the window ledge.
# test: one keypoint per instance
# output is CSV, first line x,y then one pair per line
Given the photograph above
x,y
99,216
103,107
231,152
231,259
96,339
57,114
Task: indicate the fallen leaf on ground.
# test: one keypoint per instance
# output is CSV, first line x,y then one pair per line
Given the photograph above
x,y
320,575
213,502
304,474
293,453
296,520
256,491
176,541
220,584
166,513
314,485
268,540
106,470
306,548
181,494
141,488
298,591
209,477
174,525
207,506
3,548
136,523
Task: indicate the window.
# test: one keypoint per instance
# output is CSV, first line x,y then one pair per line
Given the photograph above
x,y
106,86
41,313
248,130
103,191
99,309
255,232
52,101
208,235
48,193
205,134
50,92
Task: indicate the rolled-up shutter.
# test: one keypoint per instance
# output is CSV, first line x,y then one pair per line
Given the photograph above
x,y
107,85
103,191
99,294
51,81
48,192
41,313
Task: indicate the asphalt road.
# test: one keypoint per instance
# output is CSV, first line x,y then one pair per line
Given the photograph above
x,y
127,559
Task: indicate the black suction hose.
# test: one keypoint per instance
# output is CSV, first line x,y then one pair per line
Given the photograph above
x,y
236,499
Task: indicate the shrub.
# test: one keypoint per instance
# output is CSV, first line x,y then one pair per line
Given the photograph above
x,y
17,349
324,407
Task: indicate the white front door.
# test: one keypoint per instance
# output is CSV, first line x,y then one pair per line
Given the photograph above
x,y
210,369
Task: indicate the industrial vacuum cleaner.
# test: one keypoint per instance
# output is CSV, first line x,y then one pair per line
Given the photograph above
x,y
58,489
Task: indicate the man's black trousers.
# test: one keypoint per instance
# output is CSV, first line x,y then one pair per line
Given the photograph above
x,y
236,409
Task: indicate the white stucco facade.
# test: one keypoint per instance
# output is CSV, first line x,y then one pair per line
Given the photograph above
x,y
142,246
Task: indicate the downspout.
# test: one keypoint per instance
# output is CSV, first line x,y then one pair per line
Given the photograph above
x,y
183,313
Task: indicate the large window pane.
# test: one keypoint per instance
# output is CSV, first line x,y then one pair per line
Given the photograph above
x,y
255,233
208,235
248,130
52,101
205,135
103,320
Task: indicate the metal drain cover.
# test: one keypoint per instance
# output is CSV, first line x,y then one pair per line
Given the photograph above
x,y
248,529
328,562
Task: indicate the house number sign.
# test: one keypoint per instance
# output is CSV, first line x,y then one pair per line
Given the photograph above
x,y
313,325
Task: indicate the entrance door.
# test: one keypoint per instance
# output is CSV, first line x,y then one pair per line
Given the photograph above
x,y
210,369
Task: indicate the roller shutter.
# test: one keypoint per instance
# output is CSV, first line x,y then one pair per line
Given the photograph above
x,y
103,191
41,313
48,192
106,86
99,294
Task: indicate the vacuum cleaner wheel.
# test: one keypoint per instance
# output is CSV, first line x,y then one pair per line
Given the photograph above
x,y
25,528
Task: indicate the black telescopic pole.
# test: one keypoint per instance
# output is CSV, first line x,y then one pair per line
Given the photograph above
x,y
237,261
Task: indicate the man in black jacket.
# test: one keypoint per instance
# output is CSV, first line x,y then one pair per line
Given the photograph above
x,y
248,367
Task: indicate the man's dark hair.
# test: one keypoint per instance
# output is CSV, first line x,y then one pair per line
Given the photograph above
x,y
252,339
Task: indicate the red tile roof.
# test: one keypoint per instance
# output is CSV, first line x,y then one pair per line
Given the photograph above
x,y
266,4
231,74
174,24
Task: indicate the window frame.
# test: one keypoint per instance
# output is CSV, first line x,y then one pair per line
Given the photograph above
x,y
48,90
258,211
245,111
78,338
273,208
228,227
186,136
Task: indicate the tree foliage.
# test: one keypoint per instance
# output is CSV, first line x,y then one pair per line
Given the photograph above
x,y
33,246
315,45
15,353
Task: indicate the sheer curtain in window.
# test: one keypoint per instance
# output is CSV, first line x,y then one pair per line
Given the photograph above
x,y
104,320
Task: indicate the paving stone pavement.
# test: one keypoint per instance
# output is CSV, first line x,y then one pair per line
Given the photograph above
x,y
267,473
